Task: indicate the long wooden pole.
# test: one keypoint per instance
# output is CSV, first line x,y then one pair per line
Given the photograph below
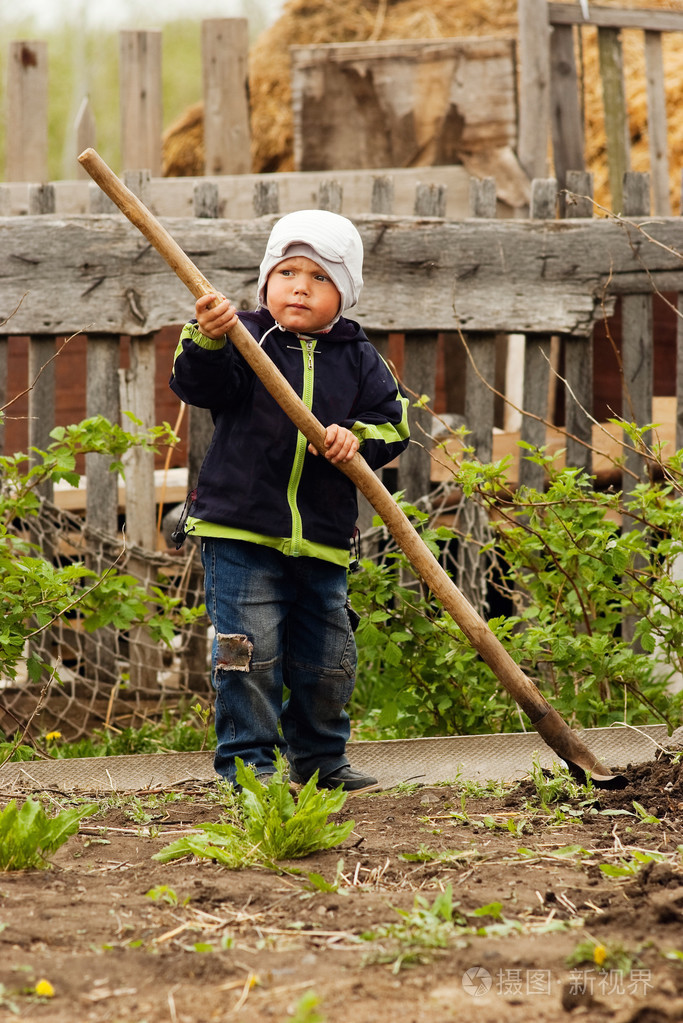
x,y
545,719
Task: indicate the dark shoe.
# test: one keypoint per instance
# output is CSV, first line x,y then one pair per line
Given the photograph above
x,y
351,781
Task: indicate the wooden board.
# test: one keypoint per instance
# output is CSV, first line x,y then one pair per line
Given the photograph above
x,y
62,275
401,103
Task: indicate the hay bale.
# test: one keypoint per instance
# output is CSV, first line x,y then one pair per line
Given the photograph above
x,y
182,145
333,21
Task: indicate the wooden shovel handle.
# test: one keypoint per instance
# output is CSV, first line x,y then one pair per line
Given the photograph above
x,y
508,672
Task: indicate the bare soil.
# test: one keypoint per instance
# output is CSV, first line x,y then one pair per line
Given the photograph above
x,y
247,945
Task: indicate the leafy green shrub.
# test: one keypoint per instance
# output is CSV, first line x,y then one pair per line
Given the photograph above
x,y
271,825
572,577
34,592
28,835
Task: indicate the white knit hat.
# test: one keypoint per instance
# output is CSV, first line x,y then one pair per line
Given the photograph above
x,y
327,238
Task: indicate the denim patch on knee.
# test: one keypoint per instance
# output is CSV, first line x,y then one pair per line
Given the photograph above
x,y
233,652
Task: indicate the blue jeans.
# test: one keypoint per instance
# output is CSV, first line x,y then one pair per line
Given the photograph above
x,y
279,622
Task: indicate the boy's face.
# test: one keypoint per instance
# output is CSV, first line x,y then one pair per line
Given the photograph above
x,y
300,295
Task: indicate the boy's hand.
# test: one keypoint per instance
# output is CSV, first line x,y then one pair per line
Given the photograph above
x,y
340,444
215,322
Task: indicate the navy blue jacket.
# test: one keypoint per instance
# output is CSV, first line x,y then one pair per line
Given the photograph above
x,y
257,474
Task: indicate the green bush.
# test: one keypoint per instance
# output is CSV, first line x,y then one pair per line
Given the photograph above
x,y
574,580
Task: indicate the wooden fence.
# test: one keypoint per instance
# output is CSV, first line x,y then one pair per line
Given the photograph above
x,y
442,270
425,275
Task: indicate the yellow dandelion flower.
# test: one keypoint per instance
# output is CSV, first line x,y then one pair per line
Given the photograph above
x,y
44,989
51,736
599,955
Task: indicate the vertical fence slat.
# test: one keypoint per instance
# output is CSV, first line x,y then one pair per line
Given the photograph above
x,y
537,355
266,198
656,124
41,397
430,200
479,398
382,195
225,48
534,86
636,356
27,98
578,355
419,373
330,196
102,398
140,99
616,117
565,114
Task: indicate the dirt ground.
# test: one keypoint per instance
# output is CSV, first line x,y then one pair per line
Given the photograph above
x,y
249,945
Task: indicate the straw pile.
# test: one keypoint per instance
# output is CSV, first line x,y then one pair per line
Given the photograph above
x,y
304,22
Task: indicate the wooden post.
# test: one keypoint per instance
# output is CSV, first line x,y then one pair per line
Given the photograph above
x,y
578,354
616,117
140,98
27,112
656,124
534,86
566,118
225,51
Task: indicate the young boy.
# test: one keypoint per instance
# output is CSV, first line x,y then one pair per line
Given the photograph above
x,y
275,520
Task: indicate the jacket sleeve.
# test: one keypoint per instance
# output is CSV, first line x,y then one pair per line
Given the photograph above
x,y
207,373
380,414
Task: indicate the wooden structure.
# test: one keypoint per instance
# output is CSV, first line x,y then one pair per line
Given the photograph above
x,y
409,103
550,90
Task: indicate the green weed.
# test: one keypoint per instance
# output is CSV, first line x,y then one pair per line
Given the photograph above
x,y
28,836
270,826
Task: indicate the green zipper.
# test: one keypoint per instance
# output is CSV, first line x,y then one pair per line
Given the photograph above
x,y
307,349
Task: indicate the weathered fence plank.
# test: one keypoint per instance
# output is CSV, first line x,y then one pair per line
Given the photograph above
x,y
534,87
102,399
225,47
41,398
578,354
616,115
656,123
140,99
438,275
27,98
637,354
566,122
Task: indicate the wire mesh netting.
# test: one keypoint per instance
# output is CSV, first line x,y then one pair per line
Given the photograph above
x,y
119,678
108,676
